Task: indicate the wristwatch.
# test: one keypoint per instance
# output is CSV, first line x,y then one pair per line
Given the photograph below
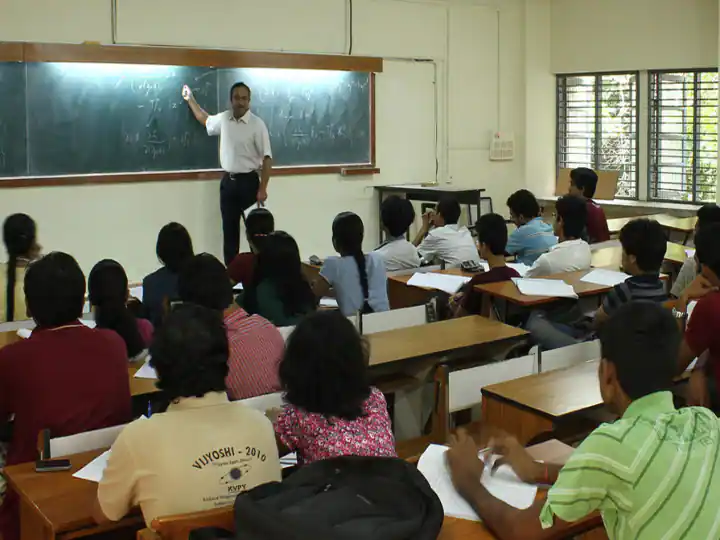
x,y
679,314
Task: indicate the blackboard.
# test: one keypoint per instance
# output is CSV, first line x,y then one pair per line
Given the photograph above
x,y
82,118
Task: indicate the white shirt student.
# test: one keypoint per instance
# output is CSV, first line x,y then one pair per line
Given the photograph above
x,y
399,254
448,242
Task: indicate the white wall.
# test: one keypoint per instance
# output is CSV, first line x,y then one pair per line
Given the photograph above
x,y
459,36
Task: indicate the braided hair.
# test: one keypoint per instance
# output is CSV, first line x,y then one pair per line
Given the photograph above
x,y
348,232
19,235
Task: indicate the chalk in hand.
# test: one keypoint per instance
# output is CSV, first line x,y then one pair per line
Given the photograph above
x,y
186,92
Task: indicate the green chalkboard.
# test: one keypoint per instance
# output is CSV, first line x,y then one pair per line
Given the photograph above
x,y
80,118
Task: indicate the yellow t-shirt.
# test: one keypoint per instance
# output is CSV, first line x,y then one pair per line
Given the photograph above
x,y
196,456
20,310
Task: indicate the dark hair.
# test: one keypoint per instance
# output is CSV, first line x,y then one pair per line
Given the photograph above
x,y
707,247
492,231
174,246
449,208
258,224
324,369
397,215
523,203
240,85
585,180
203,280
348,232
190,352
279,263
645,239
108,290
641,339
55,290
708,214
573,212
19,235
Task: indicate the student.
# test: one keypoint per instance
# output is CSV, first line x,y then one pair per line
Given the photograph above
x,y
66,377
174,247
20,237
397,214
258,224
256,346
571,253
108,294
654,473
448,242
706,215
583,183
533,236
332,410
204,450
359,280
278,290
492,239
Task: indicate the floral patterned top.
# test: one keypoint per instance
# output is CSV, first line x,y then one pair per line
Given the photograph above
x,y
315,437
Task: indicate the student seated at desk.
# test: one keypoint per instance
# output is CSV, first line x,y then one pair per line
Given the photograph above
x,y
583,183
174,247
654,473
533,236
332,410
397,214
571,253
359,280
448,242
20,237
258,224
706,215
278,289
108,294
204,450
66,377
256,346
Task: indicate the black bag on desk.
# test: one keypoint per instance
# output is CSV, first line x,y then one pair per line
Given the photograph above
x,y
347,498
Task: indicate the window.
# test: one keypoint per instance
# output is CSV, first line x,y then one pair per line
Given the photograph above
x,y
598,125
683,136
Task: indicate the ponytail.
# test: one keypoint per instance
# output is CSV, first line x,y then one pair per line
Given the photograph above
x,y
10,288
116,316
359,257
19,235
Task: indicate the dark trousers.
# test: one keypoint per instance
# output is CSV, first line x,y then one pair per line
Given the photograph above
x,y
238,192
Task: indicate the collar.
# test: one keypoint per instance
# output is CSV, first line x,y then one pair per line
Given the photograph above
x,y
237,313
566,244
245,118
211,399
651,405
645,278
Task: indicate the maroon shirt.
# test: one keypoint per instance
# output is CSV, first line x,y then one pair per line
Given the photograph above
x,y
597,226
703,331
241,268
68,380
472,301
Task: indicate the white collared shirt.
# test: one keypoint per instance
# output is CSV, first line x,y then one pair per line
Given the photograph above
x,y
568,256
399,254
452,244
244,143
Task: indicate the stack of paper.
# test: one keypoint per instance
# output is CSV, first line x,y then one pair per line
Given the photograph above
x,y
238,287
605,277
146,371
137,292
442,282
502,484
289,460
544,287
520,268
94,470
328,302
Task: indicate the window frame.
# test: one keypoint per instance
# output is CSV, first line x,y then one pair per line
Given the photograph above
x,y
598,142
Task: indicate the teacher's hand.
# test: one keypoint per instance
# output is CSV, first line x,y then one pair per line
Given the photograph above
x,y
262,196
187,93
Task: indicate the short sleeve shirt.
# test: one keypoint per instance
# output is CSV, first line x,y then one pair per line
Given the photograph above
x,y
244,143
343,275
568,256
597,225
643,287
451,244
531,240
472,300
399,254
703,331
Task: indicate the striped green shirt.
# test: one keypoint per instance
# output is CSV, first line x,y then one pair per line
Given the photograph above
x,y
653,474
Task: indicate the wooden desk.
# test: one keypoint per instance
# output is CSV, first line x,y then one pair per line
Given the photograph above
x,y
685,225
611,257
140,387
402,295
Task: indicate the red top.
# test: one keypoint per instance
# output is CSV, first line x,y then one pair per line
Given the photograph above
x,y
256,348
703,331
597,226
241,268
69,380
472,300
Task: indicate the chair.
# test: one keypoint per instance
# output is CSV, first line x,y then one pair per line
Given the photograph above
x,y
394,319
265,402
569,356
83,442
178,527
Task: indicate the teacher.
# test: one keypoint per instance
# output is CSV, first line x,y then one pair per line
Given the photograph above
x,y
245,155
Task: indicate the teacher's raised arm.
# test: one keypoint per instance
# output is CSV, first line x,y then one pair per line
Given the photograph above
x,y
197,110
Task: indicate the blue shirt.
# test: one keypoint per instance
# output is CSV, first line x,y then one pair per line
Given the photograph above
x,y
531,240
343,274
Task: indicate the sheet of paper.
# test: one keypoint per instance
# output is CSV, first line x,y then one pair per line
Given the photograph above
x,y
238,287
327,302
146,371
690,252
94,470
544,287
442,282
289,460
605,277
503,484
520,268
137,292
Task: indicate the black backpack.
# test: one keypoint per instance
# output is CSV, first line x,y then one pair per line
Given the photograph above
x,y
346,498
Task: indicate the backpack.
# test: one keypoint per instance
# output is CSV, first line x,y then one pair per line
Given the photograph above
x,y
345,498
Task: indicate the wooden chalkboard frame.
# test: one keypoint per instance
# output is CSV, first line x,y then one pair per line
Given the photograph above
x,y
179,56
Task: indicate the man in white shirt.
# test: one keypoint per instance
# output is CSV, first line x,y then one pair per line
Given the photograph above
x,y
397,214
244,151
448,242
571,253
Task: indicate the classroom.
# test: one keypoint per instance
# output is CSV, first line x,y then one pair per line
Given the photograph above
x,y
468,151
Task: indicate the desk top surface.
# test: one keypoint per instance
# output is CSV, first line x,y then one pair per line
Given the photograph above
x,y
442,188
682,224
611,257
